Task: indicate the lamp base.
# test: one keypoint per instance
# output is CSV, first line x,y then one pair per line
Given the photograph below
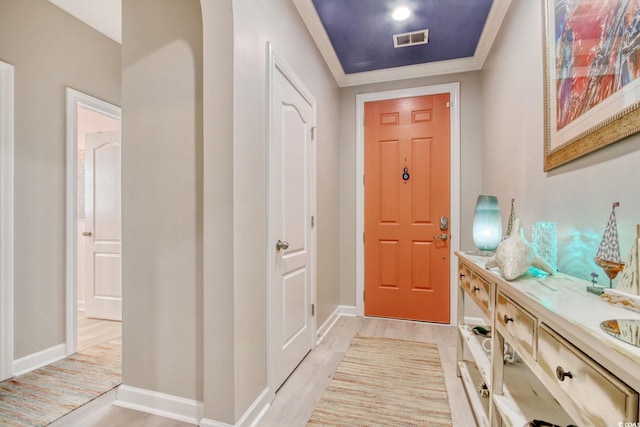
x,y
481,253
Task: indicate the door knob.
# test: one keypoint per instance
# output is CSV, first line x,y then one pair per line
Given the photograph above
x,y
86,233
442,237
282,245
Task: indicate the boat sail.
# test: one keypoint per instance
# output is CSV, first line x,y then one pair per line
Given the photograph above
x,y
608,255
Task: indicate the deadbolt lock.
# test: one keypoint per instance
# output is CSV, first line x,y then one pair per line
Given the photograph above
x,y
444,223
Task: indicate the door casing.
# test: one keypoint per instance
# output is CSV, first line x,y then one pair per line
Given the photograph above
x,y
453,89
75,99
6,219
275,64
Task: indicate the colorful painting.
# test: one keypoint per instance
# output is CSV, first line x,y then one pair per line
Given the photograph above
x,y
597,47
592,65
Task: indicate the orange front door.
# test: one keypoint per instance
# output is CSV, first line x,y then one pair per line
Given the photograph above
x,y
406,196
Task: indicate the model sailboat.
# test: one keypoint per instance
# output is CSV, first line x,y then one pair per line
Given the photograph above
x,y
608,255
627,291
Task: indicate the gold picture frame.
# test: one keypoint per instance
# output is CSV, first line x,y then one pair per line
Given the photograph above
x,y
591,79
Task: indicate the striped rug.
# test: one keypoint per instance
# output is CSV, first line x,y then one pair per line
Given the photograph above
x,y
386,382
44,395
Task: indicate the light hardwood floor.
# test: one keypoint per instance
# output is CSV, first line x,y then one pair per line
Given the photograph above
x,y
95,331
296,399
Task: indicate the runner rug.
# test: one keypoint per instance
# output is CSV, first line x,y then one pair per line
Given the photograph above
x,y
386,382
44,395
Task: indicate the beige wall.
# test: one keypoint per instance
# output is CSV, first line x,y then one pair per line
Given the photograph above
x,y
577,196
470,164
218,237
50,50
194,205
162,196
255,24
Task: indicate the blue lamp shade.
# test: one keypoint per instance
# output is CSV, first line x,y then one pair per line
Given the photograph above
x,y
487,223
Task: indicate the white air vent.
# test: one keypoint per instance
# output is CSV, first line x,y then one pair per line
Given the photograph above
x,y
411,39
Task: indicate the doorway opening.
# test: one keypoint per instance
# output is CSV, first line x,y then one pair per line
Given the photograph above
x,y
94,274
453,89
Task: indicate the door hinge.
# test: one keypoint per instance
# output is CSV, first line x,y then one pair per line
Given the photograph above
x,y
448,104
362,179
313,221
313,309
313,133
363,295
363,237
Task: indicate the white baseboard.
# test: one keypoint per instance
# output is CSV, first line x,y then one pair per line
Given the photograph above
x,y
87,414
341,310
347,310
185,410
251,418
161,404
39,359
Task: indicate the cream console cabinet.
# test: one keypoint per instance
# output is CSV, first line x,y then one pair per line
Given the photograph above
x,y
567,370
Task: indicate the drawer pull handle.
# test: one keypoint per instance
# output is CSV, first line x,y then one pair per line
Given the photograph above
x,y
561,373
507,319
462,275
476,289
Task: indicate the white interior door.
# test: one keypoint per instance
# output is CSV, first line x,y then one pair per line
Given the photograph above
x,y
103,220
291,204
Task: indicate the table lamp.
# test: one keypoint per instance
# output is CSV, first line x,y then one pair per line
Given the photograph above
x,y
487,224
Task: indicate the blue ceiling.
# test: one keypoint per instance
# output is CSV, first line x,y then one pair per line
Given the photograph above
x,y
361,31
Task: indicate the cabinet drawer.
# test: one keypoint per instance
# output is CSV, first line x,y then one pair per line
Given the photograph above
x,y
464,273
480,291
476,286
519,325
600,398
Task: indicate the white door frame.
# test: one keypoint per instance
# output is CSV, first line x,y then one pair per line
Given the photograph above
x,y
6,219
274,63
75,99
453,89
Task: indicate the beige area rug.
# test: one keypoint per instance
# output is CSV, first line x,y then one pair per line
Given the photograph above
x,y
386,382
40,397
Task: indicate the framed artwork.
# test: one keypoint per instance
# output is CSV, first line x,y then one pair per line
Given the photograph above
x,y
591,76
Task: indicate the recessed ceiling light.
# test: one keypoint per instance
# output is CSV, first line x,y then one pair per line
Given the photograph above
x,y
401,13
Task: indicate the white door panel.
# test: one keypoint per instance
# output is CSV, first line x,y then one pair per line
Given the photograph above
x,y
295,299
103,220
291,203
